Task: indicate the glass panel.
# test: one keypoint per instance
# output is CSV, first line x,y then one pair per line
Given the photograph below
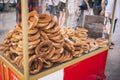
x,y
58,32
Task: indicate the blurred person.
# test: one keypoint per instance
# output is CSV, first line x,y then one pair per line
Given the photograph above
x,y
109,10
72,13
98,6
82,6
89,4
53,7
85,9
61,8
38,5
42,5
108,14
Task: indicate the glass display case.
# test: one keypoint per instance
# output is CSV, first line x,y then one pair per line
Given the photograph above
x,y
49,37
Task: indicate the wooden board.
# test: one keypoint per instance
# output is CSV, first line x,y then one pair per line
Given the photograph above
x,y
94,24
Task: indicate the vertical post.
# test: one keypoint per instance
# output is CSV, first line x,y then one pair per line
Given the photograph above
x,y
24,5
66,13
112,24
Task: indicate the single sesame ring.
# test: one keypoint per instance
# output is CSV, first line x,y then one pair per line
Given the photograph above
x,y
47,64
33,18
45,44
35,64
44,18
51,24
34,37
53,29
33,31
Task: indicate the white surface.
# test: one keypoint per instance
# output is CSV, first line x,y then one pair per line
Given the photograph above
x,y
58,75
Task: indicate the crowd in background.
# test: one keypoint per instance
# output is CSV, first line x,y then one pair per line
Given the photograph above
x,y
73,8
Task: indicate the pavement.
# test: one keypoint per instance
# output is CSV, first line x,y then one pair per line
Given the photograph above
x,y
112,71
113,59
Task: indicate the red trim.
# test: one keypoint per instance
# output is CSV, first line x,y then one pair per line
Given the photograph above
x,y
5,71
0,71
13,76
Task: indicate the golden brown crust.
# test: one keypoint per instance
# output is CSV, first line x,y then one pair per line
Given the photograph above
x,y
92,44
20,47
18,28
35,64
43,36
17,60
78,52
85,48
50,35
34,37
33,18
53,29
51,24
9,34
81,35
2,46
30,44
17,36
57,39
34,42
44,18
70,32
45,44
47,64
33,31
50,54
55,57
58,45
102,42
42,25
69,45
59,50
66,56
15,50
11,56
61,58
82,30
14,39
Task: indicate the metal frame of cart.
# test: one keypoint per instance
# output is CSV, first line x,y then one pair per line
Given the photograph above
x,y
6,66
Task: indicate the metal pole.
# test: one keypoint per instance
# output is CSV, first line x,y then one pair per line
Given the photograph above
x,y
112,24
66,13
24,5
